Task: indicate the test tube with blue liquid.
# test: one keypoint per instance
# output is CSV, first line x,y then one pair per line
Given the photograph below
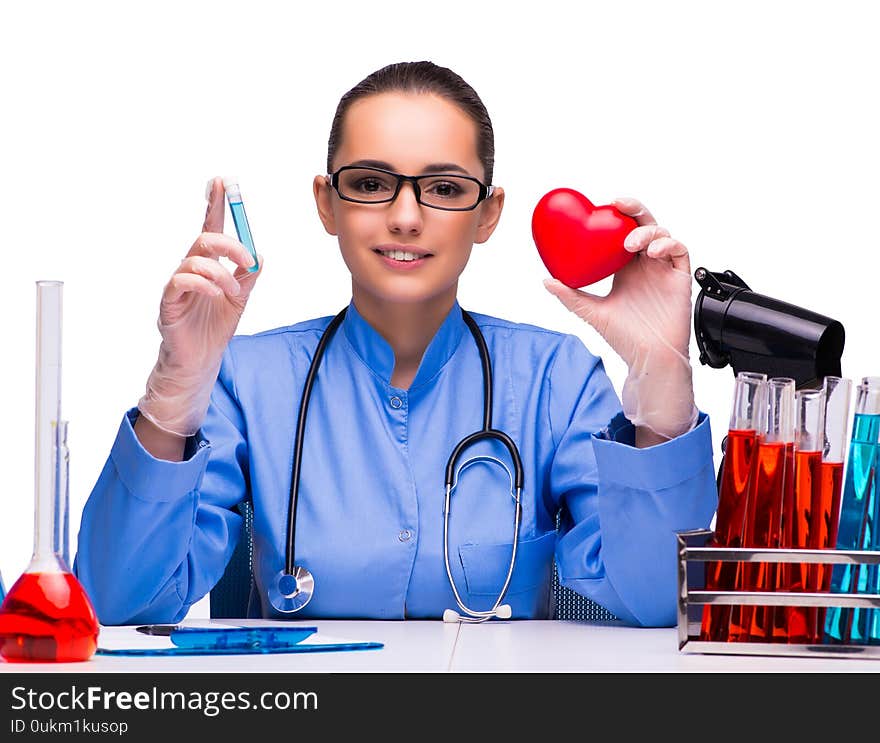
x,y
239,217
858,520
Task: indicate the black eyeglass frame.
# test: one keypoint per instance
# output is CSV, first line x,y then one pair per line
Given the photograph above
x,y
485,191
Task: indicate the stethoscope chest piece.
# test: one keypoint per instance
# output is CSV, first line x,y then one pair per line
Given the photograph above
x,y
291,592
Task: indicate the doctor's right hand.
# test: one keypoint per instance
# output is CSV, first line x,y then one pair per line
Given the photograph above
x,y
200,309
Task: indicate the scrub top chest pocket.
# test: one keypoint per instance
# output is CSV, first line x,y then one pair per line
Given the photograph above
x,y
485,565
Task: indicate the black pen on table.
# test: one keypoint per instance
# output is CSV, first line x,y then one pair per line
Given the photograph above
x,y
164,630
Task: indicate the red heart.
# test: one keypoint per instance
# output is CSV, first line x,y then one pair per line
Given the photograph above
x,y
580,243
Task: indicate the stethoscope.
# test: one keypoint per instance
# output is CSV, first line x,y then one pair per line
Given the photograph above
x,y
294,586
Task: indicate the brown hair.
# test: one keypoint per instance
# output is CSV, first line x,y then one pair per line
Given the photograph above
x,y
421,77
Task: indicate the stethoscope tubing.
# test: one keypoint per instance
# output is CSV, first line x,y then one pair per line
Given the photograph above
x,y
289,560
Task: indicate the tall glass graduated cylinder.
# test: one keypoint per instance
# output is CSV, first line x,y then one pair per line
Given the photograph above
x,y
47,616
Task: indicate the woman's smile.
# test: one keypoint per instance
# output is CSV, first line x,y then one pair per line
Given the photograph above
x,y
402,257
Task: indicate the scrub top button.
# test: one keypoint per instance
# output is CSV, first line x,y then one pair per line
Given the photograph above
x,y
405,535
396,402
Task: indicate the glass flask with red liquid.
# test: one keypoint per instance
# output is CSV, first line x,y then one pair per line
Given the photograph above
x,y
773,477
46,615
746,419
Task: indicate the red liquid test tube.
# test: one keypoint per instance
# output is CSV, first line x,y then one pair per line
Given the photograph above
x,y
773,476
793,623
746,419
825,511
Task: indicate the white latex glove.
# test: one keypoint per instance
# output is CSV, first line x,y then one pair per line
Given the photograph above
x,y
200,309
646,319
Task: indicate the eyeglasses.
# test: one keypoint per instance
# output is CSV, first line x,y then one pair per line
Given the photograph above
x,y
454,193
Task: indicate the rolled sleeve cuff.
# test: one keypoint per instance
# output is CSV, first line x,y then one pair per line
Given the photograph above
x,y
157,480
661,466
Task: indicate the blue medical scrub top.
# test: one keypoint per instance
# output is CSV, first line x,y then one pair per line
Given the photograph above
x,y
156,536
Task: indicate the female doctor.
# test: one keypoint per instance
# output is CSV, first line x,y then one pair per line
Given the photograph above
x,y
399,385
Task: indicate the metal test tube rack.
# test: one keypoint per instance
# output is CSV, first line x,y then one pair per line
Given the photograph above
x,y
692,556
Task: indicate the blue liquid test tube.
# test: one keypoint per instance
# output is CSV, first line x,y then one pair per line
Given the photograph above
x,y
239,217
872,528
857,519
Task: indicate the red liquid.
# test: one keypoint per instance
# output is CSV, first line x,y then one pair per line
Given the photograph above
x,y
732,500
824,520
47,617
762,529
797,623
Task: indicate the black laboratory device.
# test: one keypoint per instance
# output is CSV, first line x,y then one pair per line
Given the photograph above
x,y
753,332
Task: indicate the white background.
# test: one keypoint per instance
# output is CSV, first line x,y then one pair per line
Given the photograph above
x,y
749,129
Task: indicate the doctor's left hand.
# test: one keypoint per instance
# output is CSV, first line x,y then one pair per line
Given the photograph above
x,y
646,319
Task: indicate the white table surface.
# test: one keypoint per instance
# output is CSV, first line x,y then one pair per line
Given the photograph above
x,y
432,646
569,646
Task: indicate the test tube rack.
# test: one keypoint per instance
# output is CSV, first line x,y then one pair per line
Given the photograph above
x,y
692,597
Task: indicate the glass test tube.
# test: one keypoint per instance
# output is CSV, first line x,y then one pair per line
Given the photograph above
x,y
797,623
746,419
740,616
825,510
239,218
872,537
62,494
855,525
774,474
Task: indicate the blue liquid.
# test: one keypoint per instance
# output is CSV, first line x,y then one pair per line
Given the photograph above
x,y
857,532
244,230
